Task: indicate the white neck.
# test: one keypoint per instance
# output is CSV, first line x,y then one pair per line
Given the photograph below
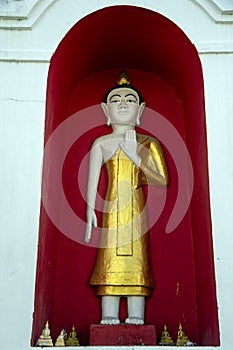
x,y
121,128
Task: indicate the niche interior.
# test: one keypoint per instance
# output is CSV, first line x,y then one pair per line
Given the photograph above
x,y
164,65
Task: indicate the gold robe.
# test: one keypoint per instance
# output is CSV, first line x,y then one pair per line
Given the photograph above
x,y
123,265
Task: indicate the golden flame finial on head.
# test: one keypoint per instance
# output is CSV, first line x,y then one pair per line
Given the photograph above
x,y
123,82
123,79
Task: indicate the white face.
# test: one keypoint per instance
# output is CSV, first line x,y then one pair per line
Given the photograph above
x,y
123,106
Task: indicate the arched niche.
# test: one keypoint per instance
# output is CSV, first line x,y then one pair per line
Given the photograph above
x,y
165,66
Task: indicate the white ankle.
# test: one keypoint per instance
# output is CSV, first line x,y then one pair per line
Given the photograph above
x,y
110,310
110,320
134,320
136,309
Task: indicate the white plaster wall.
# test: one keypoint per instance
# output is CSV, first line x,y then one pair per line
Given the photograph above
x,y
218,73
21,144
26,46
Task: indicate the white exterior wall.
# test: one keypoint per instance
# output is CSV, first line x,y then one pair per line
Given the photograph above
x,y
26,46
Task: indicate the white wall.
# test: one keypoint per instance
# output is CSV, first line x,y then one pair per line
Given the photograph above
x,y
21,133
26,47
218,73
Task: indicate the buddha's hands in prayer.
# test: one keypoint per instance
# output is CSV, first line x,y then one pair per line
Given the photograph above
x,y
91,222
129,146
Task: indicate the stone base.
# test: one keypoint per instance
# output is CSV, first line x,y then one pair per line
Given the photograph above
x,y
123,334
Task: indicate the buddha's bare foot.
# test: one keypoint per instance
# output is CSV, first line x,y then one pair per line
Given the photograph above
x,y
110,320
134,320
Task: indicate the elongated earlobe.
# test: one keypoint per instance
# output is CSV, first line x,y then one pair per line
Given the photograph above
x,y
106,112
140,111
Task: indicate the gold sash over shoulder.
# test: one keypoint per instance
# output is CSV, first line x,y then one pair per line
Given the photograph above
x,y
123,265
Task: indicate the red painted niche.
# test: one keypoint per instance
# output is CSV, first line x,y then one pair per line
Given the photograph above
x,y
164,65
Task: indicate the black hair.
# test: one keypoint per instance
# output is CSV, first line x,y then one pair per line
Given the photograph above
x,y
123,86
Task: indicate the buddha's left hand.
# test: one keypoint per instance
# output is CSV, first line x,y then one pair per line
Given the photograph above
x,y
129,146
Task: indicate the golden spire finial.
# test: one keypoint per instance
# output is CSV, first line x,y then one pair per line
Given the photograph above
x,y
123,79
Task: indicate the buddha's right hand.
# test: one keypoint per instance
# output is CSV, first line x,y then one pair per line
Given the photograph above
x,y
91,222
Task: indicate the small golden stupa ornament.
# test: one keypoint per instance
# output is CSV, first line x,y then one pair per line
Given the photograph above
x,y
61,339
182,339
72,340
166,339
123,79
45,338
